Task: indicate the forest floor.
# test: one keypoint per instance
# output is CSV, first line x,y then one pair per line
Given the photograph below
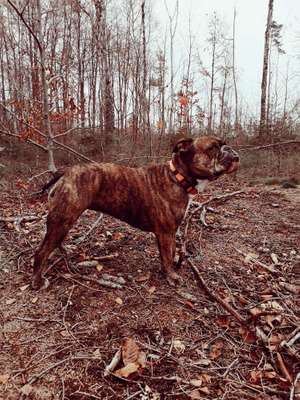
x,y
177,343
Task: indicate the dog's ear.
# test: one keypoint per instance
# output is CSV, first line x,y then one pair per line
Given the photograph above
x,y
183,145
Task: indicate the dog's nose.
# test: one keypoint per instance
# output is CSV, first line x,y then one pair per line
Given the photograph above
x,y
229,152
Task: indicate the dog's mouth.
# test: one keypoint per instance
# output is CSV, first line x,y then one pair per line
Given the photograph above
x,y
227,163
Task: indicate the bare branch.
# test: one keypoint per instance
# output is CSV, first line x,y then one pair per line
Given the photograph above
x,y
266,146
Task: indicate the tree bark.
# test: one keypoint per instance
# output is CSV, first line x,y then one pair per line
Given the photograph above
x,y
264,83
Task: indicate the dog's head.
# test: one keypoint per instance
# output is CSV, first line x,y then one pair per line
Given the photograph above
x,y
206,157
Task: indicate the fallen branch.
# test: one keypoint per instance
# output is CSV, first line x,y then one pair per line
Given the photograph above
x,y
290,341
214,296
283,368
201,206
255,261
295,384
95,224
19,219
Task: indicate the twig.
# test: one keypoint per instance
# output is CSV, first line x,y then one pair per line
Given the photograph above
x,y
113,364
89,395
65,312
38,175
294,386
114,282
62,145
255,261
266,146
44,371
256,388
283,368
229,368
214,296
95,224
201,206
19,219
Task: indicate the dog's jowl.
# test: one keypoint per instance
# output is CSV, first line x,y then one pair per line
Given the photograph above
x,y
152,198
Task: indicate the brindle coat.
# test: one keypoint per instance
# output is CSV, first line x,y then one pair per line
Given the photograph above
x,y
148,198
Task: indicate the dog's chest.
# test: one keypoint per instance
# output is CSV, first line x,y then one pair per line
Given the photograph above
x,y
200,187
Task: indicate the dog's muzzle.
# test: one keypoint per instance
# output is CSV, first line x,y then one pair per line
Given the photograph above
x,y
229,158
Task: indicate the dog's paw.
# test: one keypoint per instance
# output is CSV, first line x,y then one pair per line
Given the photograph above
x,y
174,279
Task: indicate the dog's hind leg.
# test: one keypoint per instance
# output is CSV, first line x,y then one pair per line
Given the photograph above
x,y
167,248
58,225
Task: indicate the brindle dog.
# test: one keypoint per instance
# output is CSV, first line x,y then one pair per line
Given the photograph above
x,y
153,198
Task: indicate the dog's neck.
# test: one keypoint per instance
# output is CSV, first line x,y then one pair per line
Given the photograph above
x,y
190,185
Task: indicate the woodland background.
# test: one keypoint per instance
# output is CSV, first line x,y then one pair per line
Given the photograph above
x,y
90,80
85,80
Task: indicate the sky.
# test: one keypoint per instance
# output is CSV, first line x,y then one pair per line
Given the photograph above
x,y
250,28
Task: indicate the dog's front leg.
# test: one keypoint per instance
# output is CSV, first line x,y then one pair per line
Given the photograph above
x,y
167,248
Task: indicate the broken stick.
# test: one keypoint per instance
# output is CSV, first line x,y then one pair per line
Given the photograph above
x,y
214,296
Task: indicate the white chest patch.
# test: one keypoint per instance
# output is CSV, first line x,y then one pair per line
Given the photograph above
x,y
201,184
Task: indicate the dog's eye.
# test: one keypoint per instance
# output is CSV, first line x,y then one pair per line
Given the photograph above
x,y
213,149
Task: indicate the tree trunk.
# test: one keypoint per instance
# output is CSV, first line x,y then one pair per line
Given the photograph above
x,y
264,83
236,112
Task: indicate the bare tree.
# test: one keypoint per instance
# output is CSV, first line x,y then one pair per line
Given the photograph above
x,y
236,106
45,88
264,82
173,20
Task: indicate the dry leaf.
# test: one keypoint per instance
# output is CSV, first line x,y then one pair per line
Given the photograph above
x,y
3,379
26,389
22,288
130,351
119,301
195,394
255,311
206,378
216,349
97,353
269,374
204,390
129,369
142,359
223,321
275,305
178,346
117,236
143,278
151,289
255,376
242,300
132,357
248,335
10,301
250,257
274,258
99,267
34,300
196,382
